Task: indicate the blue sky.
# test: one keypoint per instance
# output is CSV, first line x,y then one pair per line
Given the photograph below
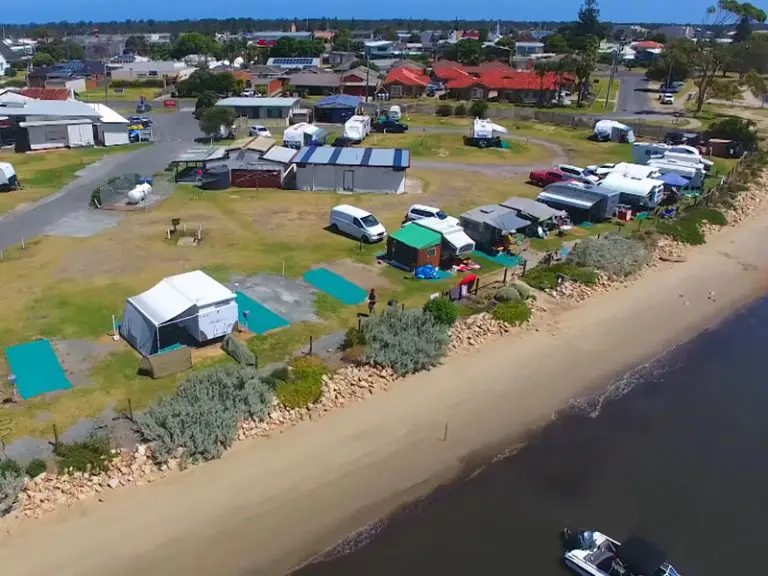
x,y
100,10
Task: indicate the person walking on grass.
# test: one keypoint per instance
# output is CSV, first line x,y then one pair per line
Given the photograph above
x,y
371,301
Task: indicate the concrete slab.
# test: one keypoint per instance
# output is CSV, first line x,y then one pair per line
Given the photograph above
x,y
293,299
84,223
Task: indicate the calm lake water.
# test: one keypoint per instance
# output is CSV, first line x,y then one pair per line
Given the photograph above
x,y
675,452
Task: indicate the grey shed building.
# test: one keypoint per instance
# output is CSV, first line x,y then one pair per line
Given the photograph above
x,y
352,169
487,225
270,111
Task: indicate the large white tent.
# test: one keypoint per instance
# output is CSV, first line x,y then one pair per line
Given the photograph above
x,y
179,309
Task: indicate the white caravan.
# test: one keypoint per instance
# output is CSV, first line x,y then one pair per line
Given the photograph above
x,y
357,128
695,173
642,152
641,193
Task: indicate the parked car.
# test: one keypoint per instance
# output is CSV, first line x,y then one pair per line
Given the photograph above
x,y
667,98
342,142
356,222
250,94
421,211
577,173
259,130
546,177
388,125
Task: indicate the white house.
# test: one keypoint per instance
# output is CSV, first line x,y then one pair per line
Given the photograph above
x,y
352,169
112,129
190,308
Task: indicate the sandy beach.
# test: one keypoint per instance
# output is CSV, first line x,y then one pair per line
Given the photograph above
x,y
270,505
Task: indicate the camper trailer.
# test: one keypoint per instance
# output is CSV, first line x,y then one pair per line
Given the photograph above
x,y
303,134
8,178
485,134
357,128
625,168
613,131
642,152
693,172
582,202
455,241
641,193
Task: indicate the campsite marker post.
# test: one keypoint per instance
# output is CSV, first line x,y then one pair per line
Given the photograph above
x,y
115,335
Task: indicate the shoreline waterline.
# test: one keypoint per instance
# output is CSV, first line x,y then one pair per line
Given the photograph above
x,y
269,505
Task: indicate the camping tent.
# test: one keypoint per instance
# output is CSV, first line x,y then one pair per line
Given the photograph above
x,y
189,308
8,178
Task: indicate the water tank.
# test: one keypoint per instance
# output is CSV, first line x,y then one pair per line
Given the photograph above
x,y
138,193
216,178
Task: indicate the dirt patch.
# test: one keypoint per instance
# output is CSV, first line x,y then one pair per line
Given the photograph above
x,y
361,274
414,186
78,357
206,353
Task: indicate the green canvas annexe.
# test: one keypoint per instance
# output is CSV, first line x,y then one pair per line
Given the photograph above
x,y
417,236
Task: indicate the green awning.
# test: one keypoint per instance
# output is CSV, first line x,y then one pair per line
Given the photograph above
x,y
417,236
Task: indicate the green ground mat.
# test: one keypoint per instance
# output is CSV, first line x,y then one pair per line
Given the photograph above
x,y
260,318
37,369
335,285
500,259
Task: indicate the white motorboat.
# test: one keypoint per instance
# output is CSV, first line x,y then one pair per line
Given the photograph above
x,y
595,554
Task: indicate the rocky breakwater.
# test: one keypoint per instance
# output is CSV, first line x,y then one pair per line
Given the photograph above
x,y
469,333
669,250
46,492
576,292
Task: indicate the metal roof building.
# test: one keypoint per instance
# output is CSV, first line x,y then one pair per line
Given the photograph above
x,y
531,209
487,225
336,109
352,169
271,111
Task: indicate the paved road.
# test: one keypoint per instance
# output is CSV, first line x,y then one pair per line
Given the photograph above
x,y
174,133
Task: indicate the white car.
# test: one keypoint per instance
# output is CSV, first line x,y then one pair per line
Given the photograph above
x,y
250,94
577,172
421,211
601,170
667,98
356,222
258,130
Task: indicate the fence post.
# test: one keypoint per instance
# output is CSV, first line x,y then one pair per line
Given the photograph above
x,y
506,270
310,345
55,436
130,410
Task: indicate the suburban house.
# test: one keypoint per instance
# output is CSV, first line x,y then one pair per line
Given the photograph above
x,y
77,75
356,80
497,81
379,49
7,57
352,169
529,48
47,93
315,83
406,82
170,71
270,111
269,37
296,63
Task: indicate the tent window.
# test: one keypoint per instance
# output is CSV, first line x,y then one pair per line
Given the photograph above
x,y
432,252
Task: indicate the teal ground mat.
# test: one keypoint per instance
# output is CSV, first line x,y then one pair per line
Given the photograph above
x,y
500,259
260,318
37,369
335,285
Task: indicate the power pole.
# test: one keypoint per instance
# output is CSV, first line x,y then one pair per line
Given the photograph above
x,y
610,78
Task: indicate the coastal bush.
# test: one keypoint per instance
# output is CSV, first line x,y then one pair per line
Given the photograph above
x,y
507,294
442,310
524,290
36,467
710,215
353,337
305,385
11,483
474,305
354,355
545,277
406,341
444,110
615,255
513,313
201,419
278,375
239,351
460,110
687,228
90,455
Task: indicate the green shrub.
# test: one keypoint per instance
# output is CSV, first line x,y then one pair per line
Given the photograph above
x,y
460,110
201,418
305,385
513,313
353,337
442,310
406,341
474,305
545,277
11,483
687,227
524,290
354,355
36,467
479,109
90,455
704,214
507,294
239,351
613,254
444,110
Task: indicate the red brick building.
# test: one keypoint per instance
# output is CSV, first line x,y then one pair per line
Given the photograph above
x,y
406,82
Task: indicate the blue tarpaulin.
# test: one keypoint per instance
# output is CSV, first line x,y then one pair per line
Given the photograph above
x,y
673,179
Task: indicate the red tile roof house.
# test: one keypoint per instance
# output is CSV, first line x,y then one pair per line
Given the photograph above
x,y
405,82
500,83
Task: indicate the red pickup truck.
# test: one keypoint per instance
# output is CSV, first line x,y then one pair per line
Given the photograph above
x,y
547,177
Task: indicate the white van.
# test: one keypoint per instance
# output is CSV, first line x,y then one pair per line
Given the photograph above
x,y
395,113
638,192
357,128
357,223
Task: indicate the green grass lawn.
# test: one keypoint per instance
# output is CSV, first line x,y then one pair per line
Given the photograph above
x,y
43,173
130,93
600,89
450,147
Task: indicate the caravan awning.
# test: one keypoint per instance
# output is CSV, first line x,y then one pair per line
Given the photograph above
x,y
460,242
161,303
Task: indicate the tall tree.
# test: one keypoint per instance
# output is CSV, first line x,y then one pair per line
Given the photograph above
x,y
43,59
557,44
341,40
468,52
213,119
758,85
587,25
137,44
584,65
194,43
285,47
542,68
746,14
